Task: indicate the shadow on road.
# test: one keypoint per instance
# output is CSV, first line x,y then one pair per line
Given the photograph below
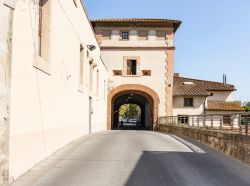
x,y
184,169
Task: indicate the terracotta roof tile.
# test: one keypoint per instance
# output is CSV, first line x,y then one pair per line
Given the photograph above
x,y
195,87
224,106
137,21
189,90
145,20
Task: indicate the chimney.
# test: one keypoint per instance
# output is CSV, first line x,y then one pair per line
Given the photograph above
x,y
176,74
224,78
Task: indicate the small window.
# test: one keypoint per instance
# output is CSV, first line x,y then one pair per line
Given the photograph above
x,y
146,72
226,119
44,29
188,102
125,35
117,72
131,67
183,119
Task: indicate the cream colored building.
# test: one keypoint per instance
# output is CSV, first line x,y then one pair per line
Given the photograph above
x,y
58,80
138,54
199,97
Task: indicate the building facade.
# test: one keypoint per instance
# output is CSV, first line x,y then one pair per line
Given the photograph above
x,y
138,54
200,97
58,81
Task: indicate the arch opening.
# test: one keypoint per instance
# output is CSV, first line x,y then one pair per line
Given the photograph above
x,y
130,116
145,98
131,122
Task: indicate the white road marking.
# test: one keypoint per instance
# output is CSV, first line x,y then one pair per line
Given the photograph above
x,y
190,145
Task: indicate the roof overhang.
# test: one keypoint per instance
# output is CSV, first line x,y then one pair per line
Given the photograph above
x,y
137,22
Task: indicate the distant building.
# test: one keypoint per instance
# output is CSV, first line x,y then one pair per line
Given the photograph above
x,y
198,97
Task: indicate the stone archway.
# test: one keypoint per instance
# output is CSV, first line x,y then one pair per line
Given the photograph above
x,y
135,88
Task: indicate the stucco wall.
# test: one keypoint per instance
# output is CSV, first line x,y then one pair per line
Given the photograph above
x,y
152,52
221,96
49,111
179,109
153,60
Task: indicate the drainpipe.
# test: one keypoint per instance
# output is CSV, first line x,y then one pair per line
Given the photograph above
x,y
6,21
204,106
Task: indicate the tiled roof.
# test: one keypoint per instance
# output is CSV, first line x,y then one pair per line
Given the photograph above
x,y
194,87
145,20
189,90
224,106
140,21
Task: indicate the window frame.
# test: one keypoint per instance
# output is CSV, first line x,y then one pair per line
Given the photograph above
x,y
42,61
127,35
125,65
187,103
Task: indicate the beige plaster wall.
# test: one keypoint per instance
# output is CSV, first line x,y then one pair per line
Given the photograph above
x,y
151,53
153,60
221,96
49,111
179,109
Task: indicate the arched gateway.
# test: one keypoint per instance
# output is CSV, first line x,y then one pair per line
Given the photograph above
x,y
141,95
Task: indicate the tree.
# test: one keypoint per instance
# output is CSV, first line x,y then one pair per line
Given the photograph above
x,y
247,106
129,110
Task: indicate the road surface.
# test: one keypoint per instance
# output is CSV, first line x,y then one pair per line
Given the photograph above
x,y
137,158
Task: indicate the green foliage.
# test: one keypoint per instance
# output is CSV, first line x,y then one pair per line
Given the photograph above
x,y
129,110
247,106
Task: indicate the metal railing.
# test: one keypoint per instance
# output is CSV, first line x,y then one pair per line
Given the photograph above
x,y
233,123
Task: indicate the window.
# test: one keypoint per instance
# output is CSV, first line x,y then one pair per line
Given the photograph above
x,y
125,35
131,67
81,70
188,102
44,29
226,119
183,119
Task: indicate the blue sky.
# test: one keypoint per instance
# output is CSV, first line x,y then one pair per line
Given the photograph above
x,y
214,37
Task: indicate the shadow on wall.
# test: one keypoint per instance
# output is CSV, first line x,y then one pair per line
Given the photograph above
x,y
184,169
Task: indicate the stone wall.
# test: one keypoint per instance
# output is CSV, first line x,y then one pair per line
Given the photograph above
x,y
235,145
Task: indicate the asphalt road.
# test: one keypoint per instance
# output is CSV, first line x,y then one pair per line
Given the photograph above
x,y
138,158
